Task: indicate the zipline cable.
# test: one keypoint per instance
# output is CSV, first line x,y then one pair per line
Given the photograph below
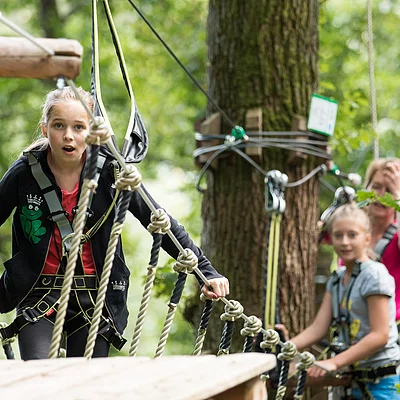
x,y
192,78
371,73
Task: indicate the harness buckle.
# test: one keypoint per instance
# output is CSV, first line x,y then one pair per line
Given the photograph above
x,y
29,315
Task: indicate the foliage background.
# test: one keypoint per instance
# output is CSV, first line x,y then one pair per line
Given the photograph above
x,y
170,104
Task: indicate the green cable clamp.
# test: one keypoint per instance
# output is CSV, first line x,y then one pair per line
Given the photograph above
x,y
334,170
239,133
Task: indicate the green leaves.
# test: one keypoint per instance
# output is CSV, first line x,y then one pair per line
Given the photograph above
x,y
370,196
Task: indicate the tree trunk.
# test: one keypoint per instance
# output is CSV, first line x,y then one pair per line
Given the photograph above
x,y
262,53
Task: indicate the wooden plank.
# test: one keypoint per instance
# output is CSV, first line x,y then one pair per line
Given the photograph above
x,y
210,126
20,58
169,378
13,372
254,123
254,389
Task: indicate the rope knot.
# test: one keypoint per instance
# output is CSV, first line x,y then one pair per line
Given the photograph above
x,y
99,132
186,262
252,326
90,184
271,339
129,179
160,222
288,352
233,311
306,361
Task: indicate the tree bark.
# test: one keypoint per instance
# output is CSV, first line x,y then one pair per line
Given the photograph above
x,y
261,53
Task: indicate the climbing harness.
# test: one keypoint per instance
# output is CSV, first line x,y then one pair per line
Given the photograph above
x,y
57,213
341,320
384,241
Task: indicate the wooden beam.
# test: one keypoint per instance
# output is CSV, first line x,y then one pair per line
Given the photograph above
x,y
210,126
299,123
20,58
254,123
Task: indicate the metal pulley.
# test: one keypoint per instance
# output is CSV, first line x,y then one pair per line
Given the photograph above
x,y
275,183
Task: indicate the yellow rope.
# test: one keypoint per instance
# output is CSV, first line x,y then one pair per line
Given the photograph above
x,y
269,272
275,268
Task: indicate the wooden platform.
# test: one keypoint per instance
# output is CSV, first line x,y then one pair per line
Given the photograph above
x,y
230,377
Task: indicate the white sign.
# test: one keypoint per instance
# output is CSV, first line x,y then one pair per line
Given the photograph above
x,y
322,117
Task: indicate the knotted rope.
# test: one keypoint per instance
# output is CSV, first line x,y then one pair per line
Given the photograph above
x,y
306,361
203,325
251,328
233,311
288,353
270,340
186,263
129,180
160,224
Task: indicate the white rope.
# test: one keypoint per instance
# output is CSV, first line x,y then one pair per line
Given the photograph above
x,y
371,69
80,220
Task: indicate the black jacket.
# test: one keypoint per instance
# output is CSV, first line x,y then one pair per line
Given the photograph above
x,y
31,233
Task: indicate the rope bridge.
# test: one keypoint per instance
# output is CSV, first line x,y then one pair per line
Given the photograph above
x,y
128,181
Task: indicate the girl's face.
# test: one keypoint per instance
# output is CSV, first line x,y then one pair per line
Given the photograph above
x,y
350,240
380,185
66,130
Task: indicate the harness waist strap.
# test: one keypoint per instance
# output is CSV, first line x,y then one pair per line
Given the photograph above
x,y
80,282
370,375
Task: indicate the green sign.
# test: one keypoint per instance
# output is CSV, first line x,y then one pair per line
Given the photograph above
x,y
322,117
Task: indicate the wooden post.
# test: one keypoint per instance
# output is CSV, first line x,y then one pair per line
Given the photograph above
x,y
254,123
299,123
210,126
20,58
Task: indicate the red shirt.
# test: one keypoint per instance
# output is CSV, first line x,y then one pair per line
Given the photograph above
x,y
391,259
69,201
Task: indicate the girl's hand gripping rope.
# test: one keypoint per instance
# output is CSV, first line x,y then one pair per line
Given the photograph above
x,y
218,287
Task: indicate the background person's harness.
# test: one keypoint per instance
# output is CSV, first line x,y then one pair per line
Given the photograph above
x,y
341,342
